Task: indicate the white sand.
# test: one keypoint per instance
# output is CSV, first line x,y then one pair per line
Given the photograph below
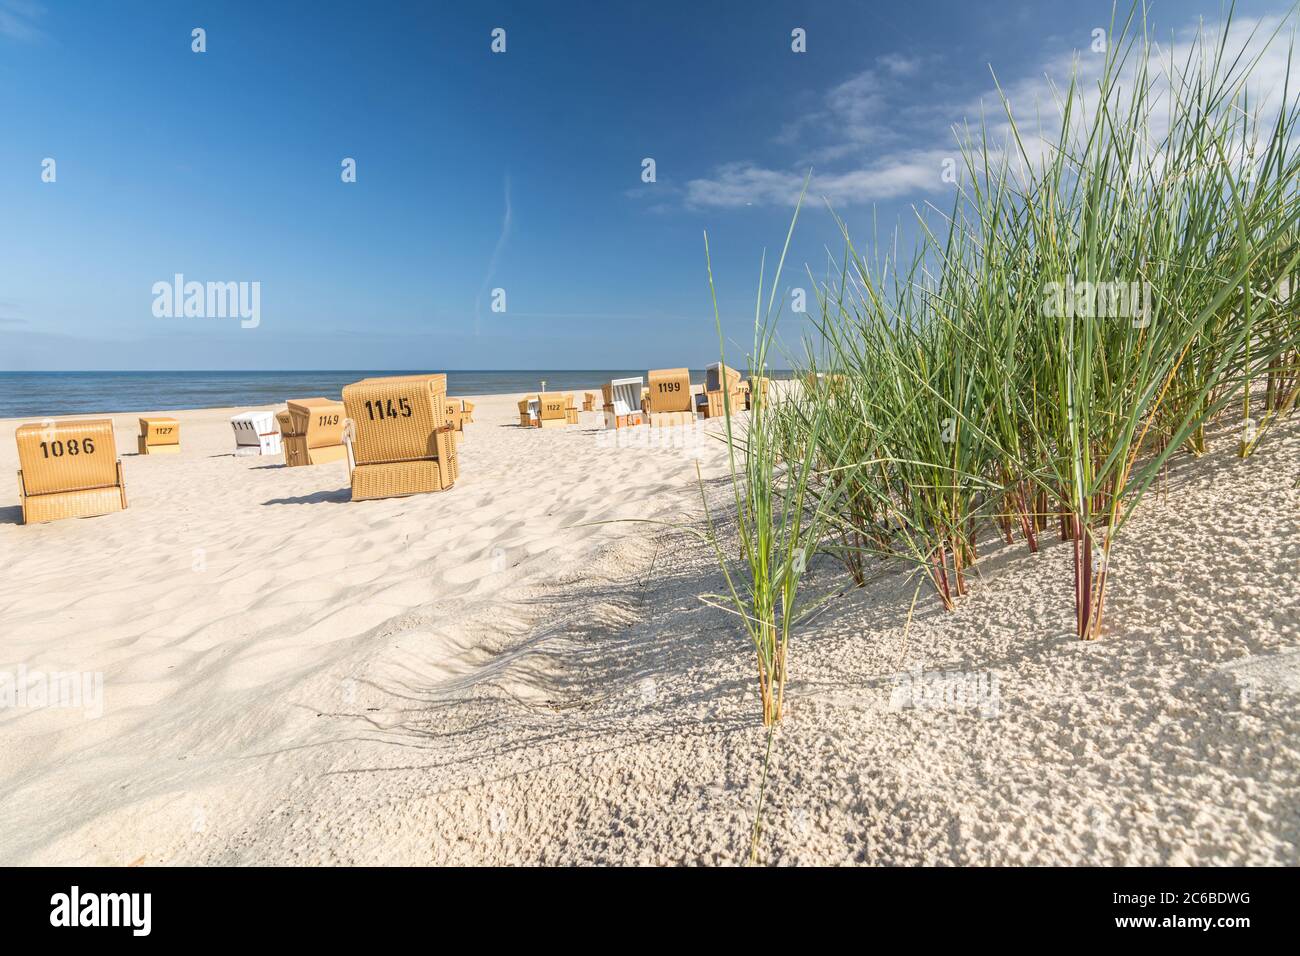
x,y
483,676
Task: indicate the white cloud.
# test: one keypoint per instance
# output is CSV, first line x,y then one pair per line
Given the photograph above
x,y
18,20
862,116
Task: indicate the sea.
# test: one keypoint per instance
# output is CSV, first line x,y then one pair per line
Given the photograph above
x,y
40,394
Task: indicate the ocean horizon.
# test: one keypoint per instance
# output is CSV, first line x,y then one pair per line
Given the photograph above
x,y
40,394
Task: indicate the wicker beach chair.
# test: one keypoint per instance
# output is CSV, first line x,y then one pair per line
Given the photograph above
x,y
670,390
159,435
456,417
69,469
529,406
722,387
315,432
718,377
554,410
401,441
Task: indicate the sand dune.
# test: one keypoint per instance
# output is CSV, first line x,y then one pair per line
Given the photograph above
x,y
488,675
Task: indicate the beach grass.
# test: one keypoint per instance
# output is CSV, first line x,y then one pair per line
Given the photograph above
x,y
1100,291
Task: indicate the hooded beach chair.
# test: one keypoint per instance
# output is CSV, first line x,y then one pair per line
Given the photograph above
x,y
554,411
670,390
159,435
625,394
623,402
529,406
255,433
456,417
755,390
401,442
69,469
315,432
722,387
718,377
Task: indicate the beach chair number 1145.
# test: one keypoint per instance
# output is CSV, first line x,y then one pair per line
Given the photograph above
x,y
378,410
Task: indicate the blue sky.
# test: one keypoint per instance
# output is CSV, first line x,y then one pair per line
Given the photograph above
x,y
475,170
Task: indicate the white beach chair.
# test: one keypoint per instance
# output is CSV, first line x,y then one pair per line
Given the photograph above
x,y
626,393
255,433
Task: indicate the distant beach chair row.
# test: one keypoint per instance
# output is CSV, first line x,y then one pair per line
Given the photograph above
x,y
668,400
399,436
664,397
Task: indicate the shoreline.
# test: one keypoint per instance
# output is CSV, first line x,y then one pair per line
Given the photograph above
x,y
226,410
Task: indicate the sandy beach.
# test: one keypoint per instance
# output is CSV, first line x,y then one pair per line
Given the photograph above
x,y
494,674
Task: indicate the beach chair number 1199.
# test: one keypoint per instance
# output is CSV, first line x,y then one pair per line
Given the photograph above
x,y
378,410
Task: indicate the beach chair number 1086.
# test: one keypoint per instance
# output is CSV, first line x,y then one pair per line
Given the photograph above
x,y
55,449
378,410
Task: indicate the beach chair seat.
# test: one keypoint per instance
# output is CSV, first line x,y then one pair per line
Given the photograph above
x,y
717,403
589,402
159,435
671,419
315,431
69,469
402,441
256,434
467,407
